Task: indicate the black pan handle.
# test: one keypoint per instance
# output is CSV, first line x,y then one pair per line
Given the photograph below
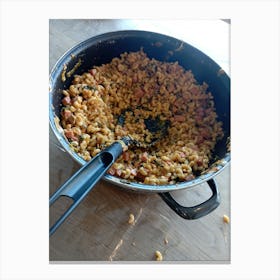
x,y
198,211
81,183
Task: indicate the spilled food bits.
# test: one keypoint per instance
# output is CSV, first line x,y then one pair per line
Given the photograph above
x,y
220,72
158,44
226,219
131,219
158,256
165,240
63,78
76,66
180,47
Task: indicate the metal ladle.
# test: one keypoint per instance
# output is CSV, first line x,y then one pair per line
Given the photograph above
x,y
81,183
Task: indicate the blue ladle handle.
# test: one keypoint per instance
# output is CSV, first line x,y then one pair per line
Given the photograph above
x,y
81,183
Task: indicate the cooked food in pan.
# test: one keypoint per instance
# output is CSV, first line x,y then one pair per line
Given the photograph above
x,y
113,100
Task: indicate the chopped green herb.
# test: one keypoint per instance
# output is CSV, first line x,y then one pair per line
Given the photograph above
x,y
90,87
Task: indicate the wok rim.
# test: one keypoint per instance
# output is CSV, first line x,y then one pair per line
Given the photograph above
x,y
129,185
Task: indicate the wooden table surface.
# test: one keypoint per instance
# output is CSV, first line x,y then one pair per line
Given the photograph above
x,y
98,229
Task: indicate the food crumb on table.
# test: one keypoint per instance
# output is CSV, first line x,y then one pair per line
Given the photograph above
x,y
131,219
226,219
165,240
158,256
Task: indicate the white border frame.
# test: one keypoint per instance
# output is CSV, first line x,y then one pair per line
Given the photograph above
x,y
255,134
